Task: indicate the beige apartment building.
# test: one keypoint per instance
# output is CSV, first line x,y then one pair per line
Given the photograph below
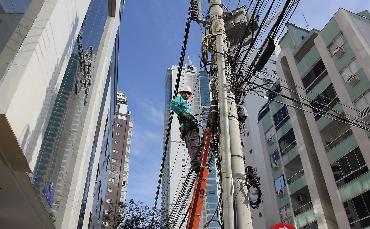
x,y
319,163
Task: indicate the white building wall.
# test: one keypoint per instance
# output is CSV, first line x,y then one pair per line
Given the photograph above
x,y
24,85
254,153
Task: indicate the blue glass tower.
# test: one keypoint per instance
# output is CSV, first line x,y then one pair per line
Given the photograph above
x,y
211,215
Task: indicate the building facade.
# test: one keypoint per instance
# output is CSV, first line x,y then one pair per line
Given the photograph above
x,y
54,64
119,167
265,214
320,163
177,163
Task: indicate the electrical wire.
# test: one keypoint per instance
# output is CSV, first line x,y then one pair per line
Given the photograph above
x,y
168,129
331,116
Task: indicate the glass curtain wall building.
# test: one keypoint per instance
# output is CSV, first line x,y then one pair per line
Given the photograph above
x,y
54,64
210,217
105,123
52,174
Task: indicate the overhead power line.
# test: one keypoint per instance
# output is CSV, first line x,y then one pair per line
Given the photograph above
x,y
331,116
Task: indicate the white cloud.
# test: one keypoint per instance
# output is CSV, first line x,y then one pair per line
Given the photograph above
x,y
153,113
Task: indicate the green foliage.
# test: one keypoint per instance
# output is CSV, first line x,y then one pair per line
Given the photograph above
x,y
136,215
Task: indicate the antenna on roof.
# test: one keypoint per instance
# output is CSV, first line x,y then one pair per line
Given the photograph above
x,y
307,27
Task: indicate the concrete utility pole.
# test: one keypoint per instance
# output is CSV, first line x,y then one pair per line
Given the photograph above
x,y
218,31
232,164
243,215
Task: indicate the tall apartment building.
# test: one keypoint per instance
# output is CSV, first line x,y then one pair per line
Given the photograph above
x,y
177,162
118,172
320,165
55,66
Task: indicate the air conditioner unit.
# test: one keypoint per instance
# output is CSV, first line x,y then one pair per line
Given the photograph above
x,y
338,52
353,80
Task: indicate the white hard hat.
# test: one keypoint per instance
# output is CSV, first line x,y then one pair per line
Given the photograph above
x,y
185,89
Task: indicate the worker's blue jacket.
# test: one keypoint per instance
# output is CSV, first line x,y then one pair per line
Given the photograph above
x,y
180,105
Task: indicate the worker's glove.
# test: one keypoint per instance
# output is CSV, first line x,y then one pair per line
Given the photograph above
x,y
186,117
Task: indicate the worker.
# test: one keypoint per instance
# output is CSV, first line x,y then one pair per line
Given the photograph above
x,y
188,126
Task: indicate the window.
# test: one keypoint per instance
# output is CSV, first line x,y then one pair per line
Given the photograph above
x,y
287,142
349,72
281,117
108,201
314,76
363,104
114,160
338,42
110,190
349,167
358,211
323,102
265,109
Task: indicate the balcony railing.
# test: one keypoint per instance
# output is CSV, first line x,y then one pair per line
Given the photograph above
x,y
288,148
325,108
353,175
338,140
295,176
282,122
316,81
303,208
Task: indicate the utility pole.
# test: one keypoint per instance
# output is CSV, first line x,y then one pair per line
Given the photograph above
x,y
232,164
243,215
218,32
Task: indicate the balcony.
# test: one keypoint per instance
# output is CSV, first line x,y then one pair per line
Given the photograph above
x,y
355,187
303,208
288,148
283,199
297,183
289,156
323,122
330,145
321,107
320,82
305,64
342,149
295,176
305,218
283,127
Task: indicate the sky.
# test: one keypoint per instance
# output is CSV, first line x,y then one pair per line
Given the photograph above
x,y
151,36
